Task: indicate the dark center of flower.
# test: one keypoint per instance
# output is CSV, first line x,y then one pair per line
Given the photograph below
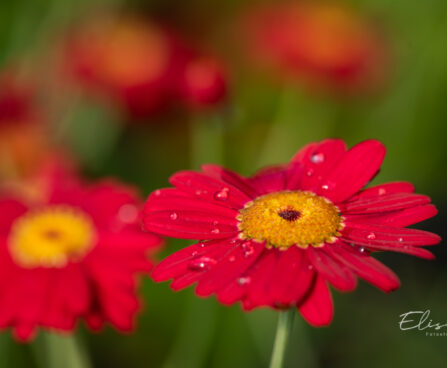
x,y
289,214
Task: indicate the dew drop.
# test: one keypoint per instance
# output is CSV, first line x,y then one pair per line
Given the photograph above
x,y
173,216
248,249
215,231
371,236
202,245
362,250
128,213
199,192
157,192
232,258
201,263
194,253
325,187
317,158
244,280
309,172
381,191
221,195
400,239
310,267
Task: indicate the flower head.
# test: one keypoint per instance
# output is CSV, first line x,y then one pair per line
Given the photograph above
x,y
280,237
143,66
71,252
325,45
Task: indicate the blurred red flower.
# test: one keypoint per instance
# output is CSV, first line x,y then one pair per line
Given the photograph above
x,y
17,104
324,44
70,251
143,66
23,140
278,238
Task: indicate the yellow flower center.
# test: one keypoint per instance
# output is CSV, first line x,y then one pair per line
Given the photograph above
x,y
287,218
50,237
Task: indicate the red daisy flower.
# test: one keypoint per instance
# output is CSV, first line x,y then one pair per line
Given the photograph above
x,y
277,239
325,44
72,253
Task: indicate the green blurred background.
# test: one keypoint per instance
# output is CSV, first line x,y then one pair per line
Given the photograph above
x,y
264,122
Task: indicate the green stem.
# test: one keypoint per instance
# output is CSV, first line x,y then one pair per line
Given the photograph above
x,y
285,323
54,351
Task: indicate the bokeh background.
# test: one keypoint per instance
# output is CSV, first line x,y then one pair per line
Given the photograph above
x,y
226,99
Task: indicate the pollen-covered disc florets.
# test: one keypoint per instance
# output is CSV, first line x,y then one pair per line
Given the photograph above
x,y
50,237
287,218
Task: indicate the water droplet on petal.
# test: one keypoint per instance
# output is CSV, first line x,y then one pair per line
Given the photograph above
x,y
194,253
199,192
202,245
310,267
232,258
244,280
371,236
401,239
128,213
248,249
309,172
317,158
362,249
157,192
201,264
222,195
173,216
325,187
382,191
215,231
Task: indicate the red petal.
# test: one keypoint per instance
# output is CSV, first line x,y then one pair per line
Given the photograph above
x,y
371,235
317,160
103,201
270,180
260,276
10,210
365,267
172,200
231,178
333,271
317,309
230,268
382,189
292,277
179,264
353,171
401,218
384,203
205,187
190,224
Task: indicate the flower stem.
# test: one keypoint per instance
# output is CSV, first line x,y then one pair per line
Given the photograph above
x,y
55,351
285,323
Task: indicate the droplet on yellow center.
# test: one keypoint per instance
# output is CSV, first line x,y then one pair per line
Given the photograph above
x,y
287,218
51,237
